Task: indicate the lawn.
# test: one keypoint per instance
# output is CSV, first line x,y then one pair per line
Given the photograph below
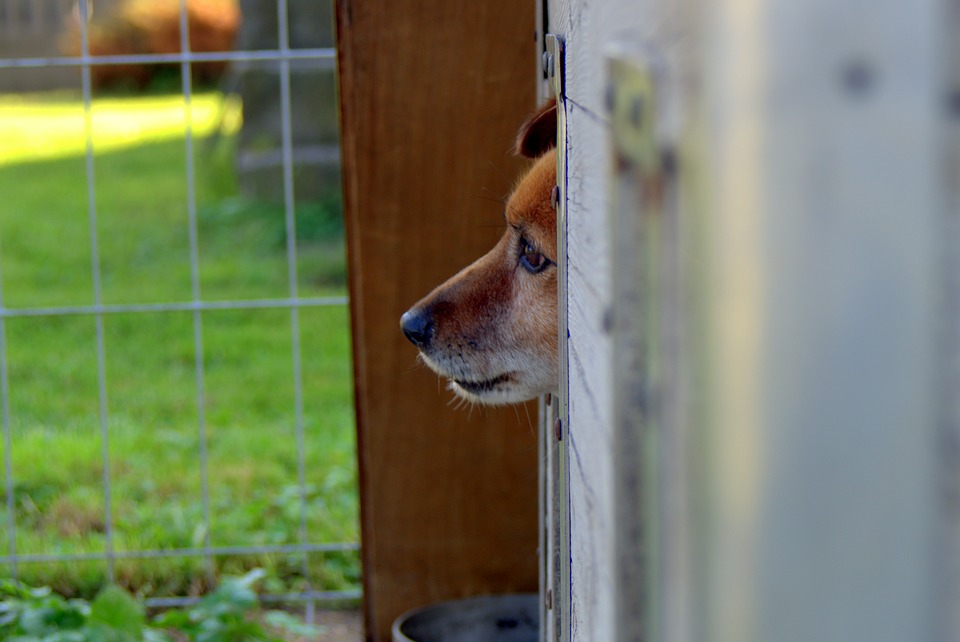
x,y
152,408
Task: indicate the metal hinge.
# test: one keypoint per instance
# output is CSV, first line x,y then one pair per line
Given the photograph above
x,y
557,596
632,106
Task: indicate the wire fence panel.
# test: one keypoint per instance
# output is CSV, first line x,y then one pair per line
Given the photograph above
x,y
184,317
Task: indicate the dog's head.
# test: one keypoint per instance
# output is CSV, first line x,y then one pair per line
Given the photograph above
x,y
492,328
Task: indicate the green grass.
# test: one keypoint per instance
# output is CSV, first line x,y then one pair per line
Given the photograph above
x,y
152,411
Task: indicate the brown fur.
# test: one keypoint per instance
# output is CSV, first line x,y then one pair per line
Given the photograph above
x,y
492,328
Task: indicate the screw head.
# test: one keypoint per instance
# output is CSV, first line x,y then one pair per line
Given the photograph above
x,y
610,98
859,77
637,108
548,66
953,103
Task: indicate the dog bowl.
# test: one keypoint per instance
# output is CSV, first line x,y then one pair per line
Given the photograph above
x,y
491,618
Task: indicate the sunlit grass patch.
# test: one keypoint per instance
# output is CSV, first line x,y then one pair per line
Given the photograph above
x,y
54,125
152,413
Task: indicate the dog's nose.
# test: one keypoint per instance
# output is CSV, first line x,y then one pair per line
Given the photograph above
x,y
417,325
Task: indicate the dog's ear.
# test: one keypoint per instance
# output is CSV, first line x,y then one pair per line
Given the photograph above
x,y
539,132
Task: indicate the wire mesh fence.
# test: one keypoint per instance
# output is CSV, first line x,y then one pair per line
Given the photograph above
x,y
123,323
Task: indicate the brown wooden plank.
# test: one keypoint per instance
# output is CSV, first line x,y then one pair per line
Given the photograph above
x,y
431,96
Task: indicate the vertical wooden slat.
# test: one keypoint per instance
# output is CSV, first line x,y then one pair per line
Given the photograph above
x,y
431,96
820,155
589,29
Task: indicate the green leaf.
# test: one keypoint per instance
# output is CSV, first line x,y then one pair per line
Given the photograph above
x,y
234,597
69,636
116,609
285,622
153,635
14,588
173,619
238,630
50,614
251,578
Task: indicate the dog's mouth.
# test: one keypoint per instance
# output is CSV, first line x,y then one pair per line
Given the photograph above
x,y
480,387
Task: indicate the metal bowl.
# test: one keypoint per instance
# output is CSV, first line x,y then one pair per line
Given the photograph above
x,y
491,618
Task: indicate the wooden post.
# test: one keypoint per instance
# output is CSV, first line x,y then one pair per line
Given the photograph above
x,y
431,96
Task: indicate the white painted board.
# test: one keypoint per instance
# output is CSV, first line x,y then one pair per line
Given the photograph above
x,y
817,145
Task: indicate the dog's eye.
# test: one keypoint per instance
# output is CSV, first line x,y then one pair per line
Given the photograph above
x,y
530,259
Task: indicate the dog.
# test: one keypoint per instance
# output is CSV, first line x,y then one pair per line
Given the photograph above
x,y
492,328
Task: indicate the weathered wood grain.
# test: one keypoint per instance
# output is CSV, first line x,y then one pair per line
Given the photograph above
x,y
589,28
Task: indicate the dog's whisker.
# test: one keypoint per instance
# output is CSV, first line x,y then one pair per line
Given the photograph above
x,y
417,363
499,169
461,402
491,195
456,403
531,425
526,411
517,413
